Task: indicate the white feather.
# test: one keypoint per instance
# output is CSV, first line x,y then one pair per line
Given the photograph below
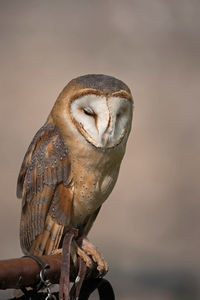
x,y
103,120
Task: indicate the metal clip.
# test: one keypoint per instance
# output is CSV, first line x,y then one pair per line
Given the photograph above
x,y
44,281
50,296
47,284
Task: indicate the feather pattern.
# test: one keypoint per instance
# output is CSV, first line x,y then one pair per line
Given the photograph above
x,y
46,192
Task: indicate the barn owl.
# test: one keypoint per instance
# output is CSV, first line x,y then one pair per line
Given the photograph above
x,y
72,165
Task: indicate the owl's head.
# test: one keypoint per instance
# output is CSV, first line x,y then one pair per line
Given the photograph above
x,y
99,107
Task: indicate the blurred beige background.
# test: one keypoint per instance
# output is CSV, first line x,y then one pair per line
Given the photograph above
x,y
149,228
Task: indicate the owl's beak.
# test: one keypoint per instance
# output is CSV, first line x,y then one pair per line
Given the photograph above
x,y
107,137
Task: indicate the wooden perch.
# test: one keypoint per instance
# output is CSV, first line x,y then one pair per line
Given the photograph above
x,y
23,272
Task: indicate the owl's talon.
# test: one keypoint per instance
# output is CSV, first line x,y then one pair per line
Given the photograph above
x,y
91,250
83,255
56,251
101,274
103,269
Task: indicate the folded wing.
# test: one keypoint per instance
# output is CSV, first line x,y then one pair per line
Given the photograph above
x,y
46,191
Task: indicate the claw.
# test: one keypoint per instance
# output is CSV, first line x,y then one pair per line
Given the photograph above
x,y
56,251
82,254
85,255
92,251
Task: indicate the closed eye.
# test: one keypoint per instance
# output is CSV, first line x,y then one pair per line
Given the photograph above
x,y
119,115
121,112
89,112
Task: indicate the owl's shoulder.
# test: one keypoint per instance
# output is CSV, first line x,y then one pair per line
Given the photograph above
x,y
47,151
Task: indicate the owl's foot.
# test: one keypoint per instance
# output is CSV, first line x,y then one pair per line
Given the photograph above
x,y
56,251
84,256
91,251
74,251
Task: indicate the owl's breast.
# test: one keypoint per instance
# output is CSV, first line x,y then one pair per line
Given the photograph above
x,y
93,182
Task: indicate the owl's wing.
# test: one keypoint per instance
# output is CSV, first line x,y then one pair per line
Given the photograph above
x,y
43,184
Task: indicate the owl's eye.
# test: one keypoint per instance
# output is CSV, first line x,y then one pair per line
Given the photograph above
x,y
119,115
89,111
